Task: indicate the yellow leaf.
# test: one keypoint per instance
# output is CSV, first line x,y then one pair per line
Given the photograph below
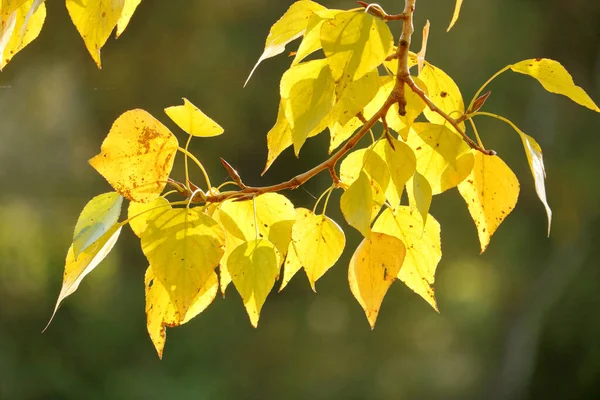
x,y
355,43
139,213
184,246
373,268
289,27
419,194
128,10
309,90
312,36
291,265
160,311
443,158
193,121
77,269
353,96
20,23
423,248
340,133
456,14
402,164
254,267
95,20
356,204
275,215
555,79
319,243
137,156
491,192
98,216
444,93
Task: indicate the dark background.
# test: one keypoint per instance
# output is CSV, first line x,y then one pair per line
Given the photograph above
x,y
519,322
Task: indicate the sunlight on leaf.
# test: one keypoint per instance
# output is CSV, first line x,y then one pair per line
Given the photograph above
x,y
373,268
402,163
160,311
491,192
95,20
254,267
555,79
353,96
319,243
193,121
444,93
312,37
356,204
289,27
137,156
183,246
140,222
291,265
20,23
98,216
77,269
419,194
423,248
355,43
128,10
456,14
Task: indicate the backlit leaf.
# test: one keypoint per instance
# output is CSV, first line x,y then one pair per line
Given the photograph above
x,y
254,267
319,243
291,265
312,36
402,164
491,192
160,311
20,23
356,204
444,93
355,43
443,158
77,269
183,246
555,79
423,248
419,194
373,268
141,212
456,14
137,156
290,26
353,96
95,20
193,121
98,216
339,134
128,10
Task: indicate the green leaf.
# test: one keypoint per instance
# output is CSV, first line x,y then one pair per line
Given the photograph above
x,y
373,268
355,43
319,243
183,246
555,79
98,216
491,192
356,204
254,267
289,27
423,248
77,268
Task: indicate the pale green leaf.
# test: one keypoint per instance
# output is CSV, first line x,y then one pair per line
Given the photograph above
x,y
98,216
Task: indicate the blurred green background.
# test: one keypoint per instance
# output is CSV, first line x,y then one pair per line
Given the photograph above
x,y
519,322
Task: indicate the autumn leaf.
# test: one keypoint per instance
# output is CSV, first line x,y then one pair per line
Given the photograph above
x,y
137,156
356,204
456,14
423,248
444,93
373,268
95,20
319,243
355,43
193,121
290,26
312,36
20,23
419,194
98,216
139,213
78,268
402,164
291,265
555,79
351,97
183,246
128,10
254,267
161,312
491,192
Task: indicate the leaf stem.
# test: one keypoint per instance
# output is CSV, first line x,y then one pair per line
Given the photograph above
x,y
476,133
199,164
185,161
484,86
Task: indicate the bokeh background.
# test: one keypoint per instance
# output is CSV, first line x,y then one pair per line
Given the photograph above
x,y
519,322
